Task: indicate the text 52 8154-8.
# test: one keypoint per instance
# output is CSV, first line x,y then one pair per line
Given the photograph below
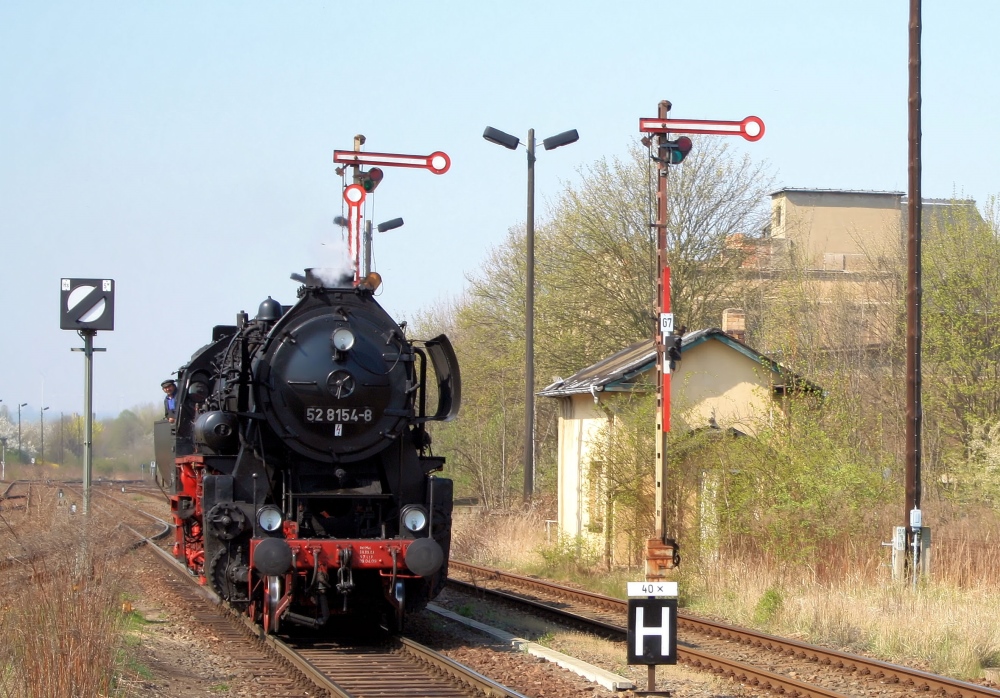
x,y
338,414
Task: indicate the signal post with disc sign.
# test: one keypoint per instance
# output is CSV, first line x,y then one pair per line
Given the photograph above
x,y
662,553
87,305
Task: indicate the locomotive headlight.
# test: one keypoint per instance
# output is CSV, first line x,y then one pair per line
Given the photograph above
x,y
269,518
414,518
343,339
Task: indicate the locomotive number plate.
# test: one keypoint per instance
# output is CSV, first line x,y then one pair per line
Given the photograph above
x,y
338,415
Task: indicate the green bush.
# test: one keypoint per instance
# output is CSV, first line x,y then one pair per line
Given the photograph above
x,y
768,607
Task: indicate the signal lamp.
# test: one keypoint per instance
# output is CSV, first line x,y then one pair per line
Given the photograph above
x,y
677,150
371,178
342,338
672,349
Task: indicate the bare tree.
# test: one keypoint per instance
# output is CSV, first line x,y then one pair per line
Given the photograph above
x,y
597,257
596,285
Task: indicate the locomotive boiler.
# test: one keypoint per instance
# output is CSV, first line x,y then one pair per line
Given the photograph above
x,y
304,486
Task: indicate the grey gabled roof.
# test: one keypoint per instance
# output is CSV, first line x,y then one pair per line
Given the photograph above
x,y
619,368
622,371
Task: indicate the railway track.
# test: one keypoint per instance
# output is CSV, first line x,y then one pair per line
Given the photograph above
x,y
737,652
15,496
780,665
304,667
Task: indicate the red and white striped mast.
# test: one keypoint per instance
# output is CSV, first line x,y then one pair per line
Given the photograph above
x,y
662,552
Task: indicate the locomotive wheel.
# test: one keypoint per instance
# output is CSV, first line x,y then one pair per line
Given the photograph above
x,y
222,581
272,597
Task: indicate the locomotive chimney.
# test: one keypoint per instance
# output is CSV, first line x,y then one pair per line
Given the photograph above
x,y
321,277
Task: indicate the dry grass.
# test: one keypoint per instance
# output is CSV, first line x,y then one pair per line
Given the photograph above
x,y
514,539
845,599
62,614
939,626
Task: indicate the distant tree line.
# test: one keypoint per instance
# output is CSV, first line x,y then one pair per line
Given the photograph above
x,y
121,443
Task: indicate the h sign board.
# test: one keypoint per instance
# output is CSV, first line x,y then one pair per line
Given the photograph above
x,y
652,631
87,304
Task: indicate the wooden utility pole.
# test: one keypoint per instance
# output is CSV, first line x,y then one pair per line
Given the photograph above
x,y
912,518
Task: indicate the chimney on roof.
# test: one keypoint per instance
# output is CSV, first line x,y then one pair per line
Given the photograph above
x,y
734,323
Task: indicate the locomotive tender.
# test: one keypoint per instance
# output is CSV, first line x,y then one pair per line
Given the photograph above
x,y
304,487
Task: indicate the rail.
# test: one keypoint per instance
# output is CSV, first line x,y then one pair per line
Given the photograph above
x,y
890,674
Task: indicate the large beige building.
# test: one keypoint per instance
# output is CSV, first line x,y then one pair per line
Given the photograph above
x,y
835,230
838,230
846,245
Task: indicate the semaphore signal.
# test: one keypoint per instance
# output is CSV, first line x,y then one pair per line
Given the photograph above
x,y
365,182
751,128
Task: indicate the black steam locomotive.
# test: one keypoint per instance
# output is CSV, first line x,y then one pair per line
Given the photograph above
x,y
303,485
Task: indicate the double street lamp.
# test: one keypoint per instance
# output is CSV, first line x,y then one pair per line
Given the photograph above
x,y
20,457
511,142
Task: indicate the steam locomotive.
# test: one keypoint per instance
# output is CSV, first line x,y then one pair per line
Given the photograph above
x,y
303,485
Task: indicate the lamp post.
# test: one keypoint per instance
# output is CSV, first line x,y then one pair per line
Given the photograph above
x,y
41,428
511,142
20,458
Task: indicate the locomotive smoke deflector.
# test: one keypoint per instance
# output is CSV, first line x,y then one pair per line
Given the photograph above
x,y
445,363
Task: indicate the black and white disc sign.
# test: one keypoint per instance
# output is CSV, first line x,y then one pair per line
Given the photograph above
x,y
87,304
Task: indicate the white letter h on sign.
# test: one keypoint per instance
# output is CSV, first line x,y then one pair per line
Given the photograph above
x,y
663,631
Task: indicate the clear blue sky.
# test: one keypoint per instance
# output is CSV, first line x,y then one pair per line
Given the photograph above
x,y
184,148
